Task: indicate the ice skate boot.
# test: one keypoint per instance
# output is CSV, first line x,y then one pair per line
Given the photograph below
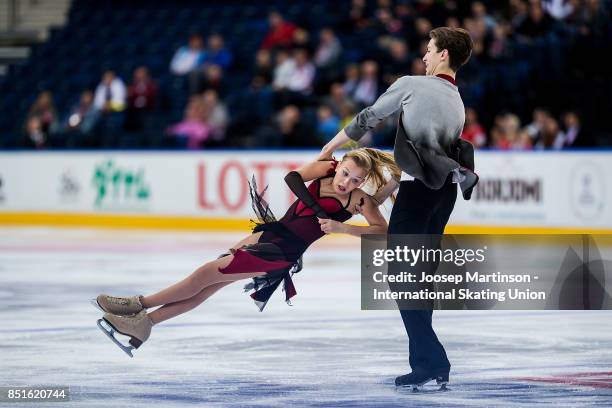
x,y
442,380
417,379
136,327
414,380
123,306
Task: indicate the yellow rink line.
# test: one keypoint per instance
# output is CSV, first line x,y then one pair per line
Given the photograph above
x,y
229,224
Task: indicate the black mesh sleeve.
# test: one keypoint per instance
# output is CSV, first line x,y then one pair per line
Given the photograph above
x,y
296,183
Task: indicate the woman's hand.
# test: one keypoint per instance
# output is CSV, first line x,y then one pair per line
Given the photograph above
x,y
329,226
359,207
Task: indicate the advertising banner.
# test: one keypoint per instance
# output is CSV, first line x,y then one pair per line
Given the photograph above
x,y
515,189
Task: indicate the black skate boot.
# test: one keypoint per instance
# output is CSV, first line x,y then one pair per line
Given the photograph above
x,y
414,380
418,378
442,380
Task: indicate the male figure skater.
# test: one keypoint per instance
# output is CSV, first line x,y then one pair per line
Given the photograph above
x,y
432,157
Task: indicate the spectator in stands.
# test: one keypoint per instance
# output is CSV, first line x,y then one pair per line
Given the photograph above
x,y
216,53
418,67
302,76
347,113
213,79
368,87
263,69
523,141
572,135
398,62
328,124
422,27
534,129
453,22
41,120
110,94
328,51
209,75
299,84
281,32
256,104
435,11
35,137
551,134
505,133
537,23
285,130
592,22
301,39
473,132
519,11
188,57
498,46
479,13
351,80
142,94
283,71
193,130
80,124
385,23
293,131
358,17
216,116
110,99
336,98
478,32
558,9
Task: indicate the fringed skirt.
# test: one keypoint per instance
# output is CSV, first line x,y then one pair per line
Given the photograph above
x,y
278,252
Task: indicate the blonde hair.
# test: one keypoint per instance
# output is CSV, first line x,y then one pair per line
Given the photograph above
x,y
375,162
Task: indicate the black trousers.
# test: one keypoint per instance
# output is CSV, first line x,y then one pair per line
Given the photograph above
x,y
421,210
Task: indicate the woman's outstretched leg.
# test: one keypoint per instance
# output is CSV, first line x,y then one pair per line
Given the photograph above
x,y
200,279
174,309
178,298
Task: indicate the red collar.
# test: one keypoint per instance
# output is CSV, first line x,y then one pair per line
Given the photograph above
x,y
448,78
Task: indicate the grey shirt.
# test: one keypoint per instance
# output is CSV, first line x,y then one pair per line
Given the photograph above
x,y
433,112
427,144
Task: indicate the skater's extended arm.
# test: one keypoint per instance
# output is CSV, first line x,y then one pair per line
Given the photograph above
x,y
386,105
385,192
295,180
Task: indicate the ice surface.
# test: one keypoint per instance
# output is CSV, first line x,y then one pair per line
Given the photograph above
x,y
324,351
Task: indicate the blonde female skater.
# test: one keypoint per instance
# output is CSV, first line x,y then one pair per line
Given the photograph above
x,y
272,253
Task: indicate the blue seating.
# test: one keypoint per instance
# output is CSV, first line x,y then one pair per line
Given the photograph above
x,y
122,34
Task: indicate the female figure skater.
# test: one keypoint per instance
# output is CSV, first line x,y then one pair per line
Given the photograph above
x,y
272,253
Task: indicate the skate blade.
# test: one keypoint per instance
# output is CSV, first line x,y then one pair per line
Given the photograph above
x,y
422,389
95,304
110,331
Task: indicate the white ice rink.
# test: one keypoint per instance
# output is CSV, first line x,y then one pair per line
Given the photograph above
x,y
324,351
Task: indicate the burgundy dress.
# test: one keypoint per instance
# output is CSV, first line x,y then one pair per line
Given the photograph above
x,y
280,247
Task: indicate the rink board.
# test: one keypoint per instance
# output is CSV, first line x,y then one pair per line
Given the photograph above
x,y
518,192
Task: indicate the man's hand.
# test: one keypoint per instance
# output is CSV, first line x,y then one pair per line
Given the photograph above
x,y
330,226
338,140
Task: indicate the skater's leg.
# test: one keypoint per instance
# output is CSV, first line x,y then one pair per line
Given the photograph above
x,y
425,349
438,360
201,278
428,215
171,310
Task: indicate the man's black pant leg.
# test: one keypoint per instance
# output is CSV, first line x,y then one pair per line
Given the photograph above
x,y
420,210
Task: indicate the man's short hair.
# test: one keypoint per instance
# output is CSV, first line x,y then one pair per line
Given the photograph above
x,y
458,43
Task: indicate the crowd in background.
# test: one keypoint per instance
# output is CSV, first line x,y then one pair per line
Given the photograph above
x,y
307,85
